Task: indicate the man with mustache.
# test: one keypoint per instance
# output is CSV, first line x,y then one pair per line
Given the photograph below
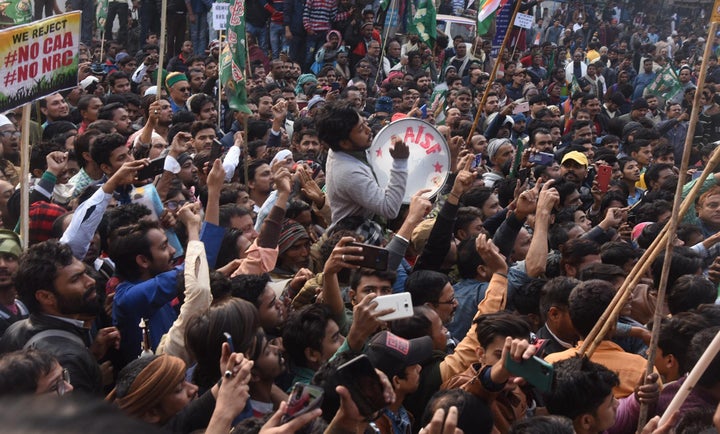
x,y
11,309
61,298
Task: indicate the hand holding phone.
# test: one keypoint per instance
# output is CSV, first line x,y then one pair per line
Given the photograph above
x,y
303,398
153,169
364,385
373,257
534,370
604,173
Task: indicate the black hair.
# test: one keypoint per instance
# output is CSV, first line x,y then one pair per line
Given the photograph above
x,y
416,326
579,387
37,270
128,242
21,370
474,414
555,293
550,424
575,250
335,121
606,272
526,298
677,332
468,259
425,286
700,342
305,328
587,302
104,145
684,261
359,273
228,211
108,111
689,292
249,287
500,324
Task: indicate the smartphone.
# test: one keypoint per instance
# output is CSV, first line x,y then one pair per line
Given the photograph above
x,y
303,398
229,340
216,150
477,161
364,384
335,86
423,110
153,169
521,108
535,371
401,302
373,257
542,158
604,174
696,174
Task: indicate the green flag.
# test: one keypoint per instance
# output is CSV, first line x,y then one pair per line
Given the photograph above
x,y
15,12
101,9
666,84
423,22
574,86
233,58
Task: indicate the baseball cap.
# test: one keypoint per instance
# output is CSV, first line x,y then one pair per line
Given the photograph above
x,y
392,354
576,156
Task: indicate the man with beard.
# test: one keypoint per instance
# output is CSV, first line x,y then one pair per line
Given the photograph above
x,y
10,155
203,107
117,113
61,298
144,263
309,146
54,108
351,185
11,309
574,168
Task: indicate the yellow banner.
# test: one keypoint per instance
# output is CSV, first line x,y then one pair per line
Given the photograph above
x,y
715,17
38,59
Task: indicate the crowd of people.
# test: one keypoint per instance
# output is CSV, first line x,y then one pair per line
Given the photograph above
x,y
190,264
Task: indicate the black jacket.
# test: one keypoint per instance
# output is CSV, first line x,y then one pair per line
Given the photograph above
x,y
84,371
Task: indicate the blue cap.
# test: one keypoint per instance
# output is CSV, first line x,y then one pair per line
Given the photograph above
x,y
519,118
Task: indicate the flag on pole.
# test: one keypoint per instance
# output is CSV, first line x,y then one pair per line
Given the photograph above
x,y
486,14
15,12
423,22
233,58
101,10
666,84
574,86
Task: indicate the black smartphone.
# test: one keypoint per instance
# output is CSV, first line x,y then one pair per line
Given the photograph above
x,y
216,150
373,257
335,86
542,158
152,170
364,384
303,399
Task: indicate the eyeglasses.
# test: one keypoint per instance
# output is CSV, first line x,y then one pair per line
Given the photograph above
x,y
184,89
451,301
174,205
10,133
60,384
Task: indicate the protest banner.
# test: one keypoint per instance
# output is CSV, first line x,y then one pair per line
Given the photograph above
x,y
219,15
38,59
524,21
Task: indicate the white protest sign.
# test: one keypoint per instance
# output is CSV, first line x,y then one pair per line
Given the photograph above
x,y
524,20
219,15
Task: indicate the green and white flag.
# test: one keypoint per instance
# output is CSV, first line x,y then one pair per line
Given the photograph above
x,y
101,9
423,22
486,14
15,12
233,58
666,84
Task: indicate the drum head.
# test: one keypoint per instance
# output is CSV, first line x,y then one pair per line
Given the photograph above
x,y
429,162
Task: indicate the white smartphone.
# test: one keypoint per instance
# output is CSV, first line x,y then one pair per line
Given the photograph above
x,y
401,302
521,108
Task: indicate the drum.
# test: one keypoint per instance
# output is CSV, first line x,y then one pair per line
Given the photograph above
x,y
429,162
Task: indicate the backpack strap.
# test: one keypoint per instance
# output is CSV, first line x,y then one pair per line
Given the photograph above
x,y
53,333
